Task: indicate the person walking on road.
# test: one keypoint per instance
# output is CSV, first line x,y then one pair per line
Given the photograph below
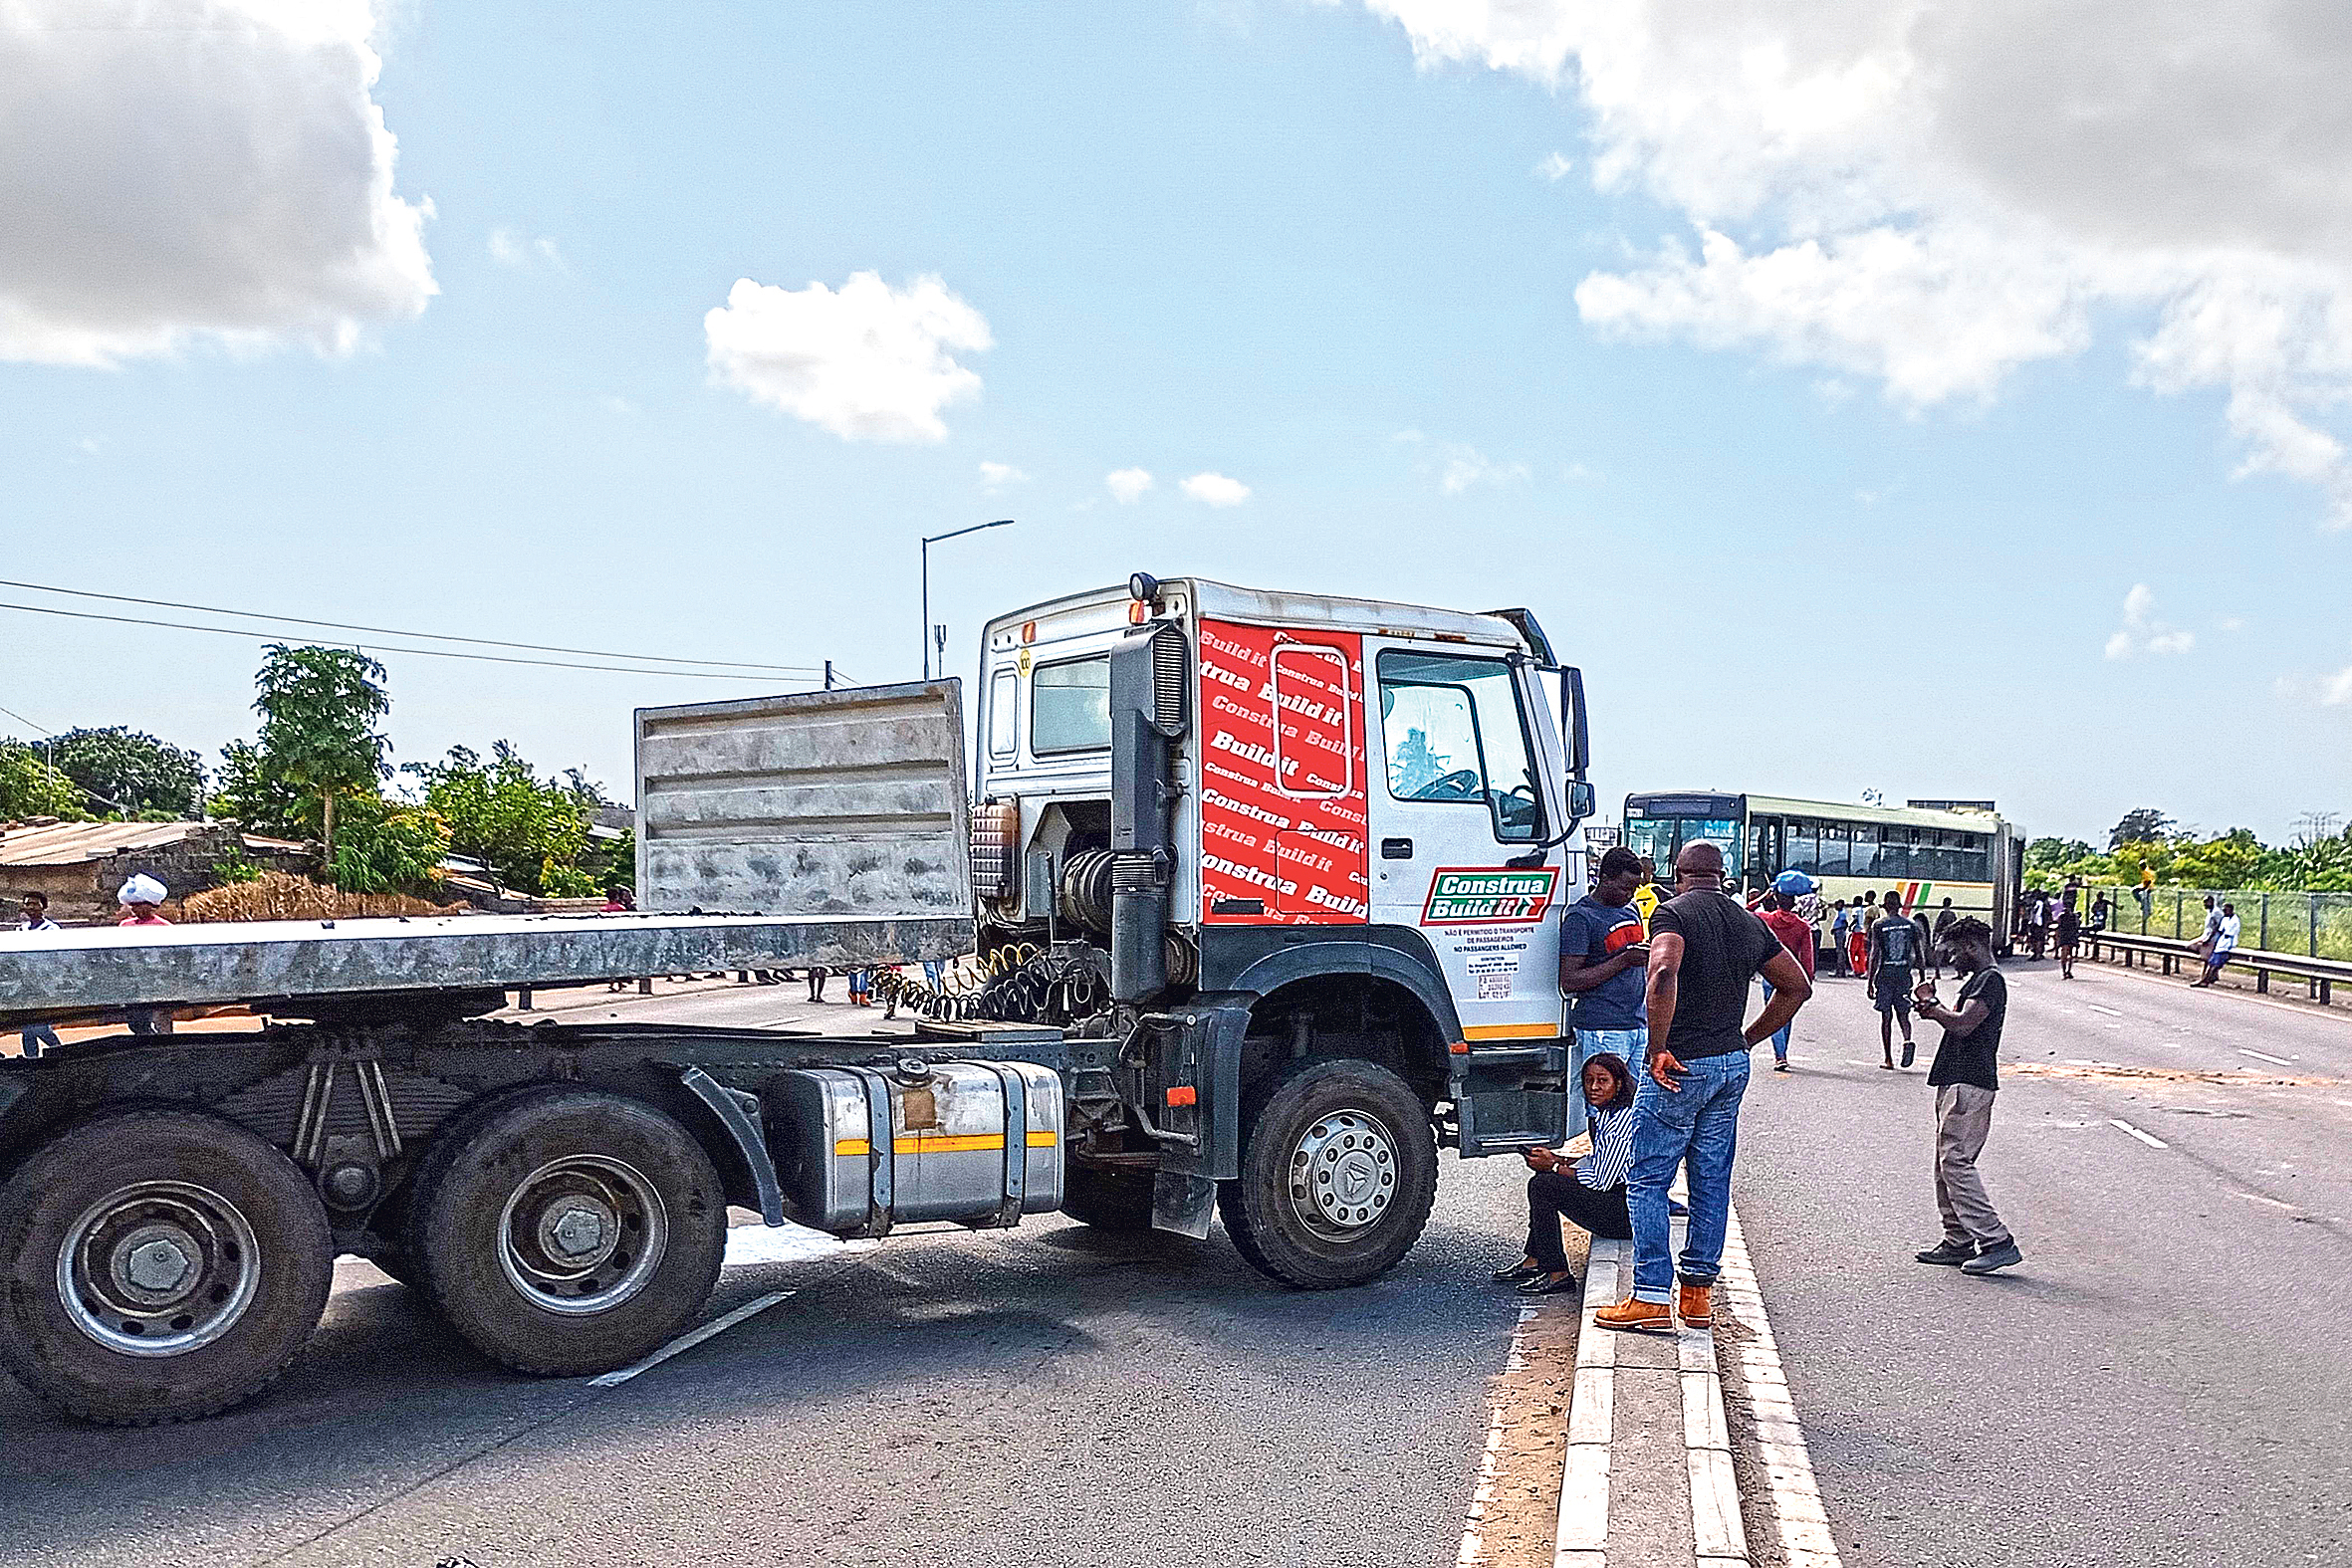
x,y
1601,958
1966,1078
2069,937
2223,943
1704,950
1781,916
1865,915
1943,919
1894,956
1587,1192
38,1037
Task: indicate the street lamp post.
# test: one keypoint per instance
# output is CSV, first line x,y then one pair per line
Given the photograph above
x,y
927,543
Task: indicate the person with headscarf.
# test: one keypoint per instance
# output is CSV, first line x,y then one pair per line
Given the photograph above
x,y
140,899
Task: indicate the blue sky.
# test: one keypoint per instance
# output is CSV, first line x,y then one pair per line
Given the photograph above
x,y
1308,247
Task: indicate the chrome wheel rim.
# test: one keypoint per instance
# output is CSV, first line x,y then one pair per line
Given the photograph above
x,y
159,1268
1343,1174
583,1235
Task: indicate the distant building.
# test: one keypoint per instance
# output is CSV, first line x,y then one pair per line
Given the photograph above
x,y
80,865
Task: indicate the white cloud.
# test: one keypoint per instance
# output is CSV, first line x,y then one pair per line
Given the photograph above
x,y
1553,168
2142,632
1934,195
869,364
2335,691
175,171
616,406
1216,490
511,249
996,476
1467,467
1126,484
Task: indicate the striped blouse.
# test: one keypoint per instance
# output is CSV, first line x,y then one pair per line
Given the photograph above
x,y
1612,1150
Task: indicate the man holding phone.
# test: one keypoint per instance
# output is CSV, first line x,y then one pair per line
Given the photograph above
x,y
1601,961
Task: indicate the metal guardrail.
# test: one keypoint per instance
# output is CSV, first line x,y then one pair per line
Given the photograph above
x,y
2309,925
2321,975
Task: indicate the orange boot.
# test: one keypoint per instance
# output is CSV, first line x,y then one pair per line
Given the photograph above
x,y
1649,1318
1695,1305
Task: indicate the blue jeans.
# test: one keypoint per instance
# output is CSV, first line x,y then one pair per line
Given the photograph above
x,y
1700,1122
36,1035
1780,1034
1632,1044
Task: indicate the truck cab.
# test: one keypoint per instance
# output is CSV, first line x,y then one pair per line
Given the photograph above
x,y
1343,828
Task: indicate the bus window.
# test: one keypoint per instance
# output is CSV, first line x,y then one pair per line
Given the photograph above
x,y
1864,859
1894,855
1653,837
1663,838
1833,849
1804,846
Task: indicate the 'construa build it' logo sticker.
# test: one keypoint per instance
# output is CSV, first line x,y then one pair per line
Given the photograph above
x,y
1474,896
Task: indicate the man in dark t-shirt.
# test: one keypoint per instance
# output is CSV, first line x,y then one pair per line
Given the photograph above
x,y
1704,951
1602,957
1966,1078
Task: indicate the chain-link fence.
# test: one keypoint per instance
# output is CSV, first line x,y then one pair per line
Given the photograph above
x,y
2317,925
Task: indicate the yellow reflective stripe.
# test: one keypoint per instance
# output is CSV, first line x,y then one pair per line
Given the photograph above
x,y
940,1143
1511,1032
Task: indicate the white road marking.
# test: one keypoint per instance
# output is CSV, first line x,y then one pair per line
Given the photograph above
x,y
2262,1055
1805,1541
2150,1139
2110,1012
690,1339
1487,1463
2259,1198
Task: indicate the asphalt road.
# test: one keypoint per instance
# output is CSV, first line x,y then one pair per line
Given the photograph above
x,y
1043,1396
2168,1378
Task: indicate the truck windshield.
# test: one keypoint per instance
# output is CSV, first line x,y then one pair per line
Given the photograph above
x,y
1070,706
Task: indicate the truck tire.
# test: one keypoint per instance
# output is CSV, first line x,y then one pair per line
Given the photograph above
x,y
1107,1200
158,1266
567,1231
1338,1169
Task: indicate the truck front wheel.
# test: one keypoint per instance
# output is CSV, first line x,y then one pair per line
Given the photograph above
x,y
158,1266
569,1232
1338,1169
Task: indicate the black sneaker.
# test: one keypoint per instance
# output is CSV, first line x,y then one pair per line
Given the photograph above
x,y
1517,1272
1951,1254
1994,1257
1909,1051
1550,1285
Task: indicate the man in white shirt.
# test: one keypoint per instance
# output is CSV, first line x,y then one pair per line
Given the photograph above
x,y
37,1036
2225,941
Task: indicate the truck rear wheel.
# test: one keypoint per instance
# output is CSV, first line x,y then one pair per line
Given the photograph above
x,y
569,1232
1338,1169
158,1266
1107,1200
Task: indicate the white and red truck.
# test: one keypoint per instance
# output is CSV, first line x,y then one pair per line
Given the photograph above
x,y
1257,901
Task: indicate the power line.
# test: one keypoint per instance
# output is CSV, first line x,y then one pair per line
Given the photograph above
x,y
391,631
429,653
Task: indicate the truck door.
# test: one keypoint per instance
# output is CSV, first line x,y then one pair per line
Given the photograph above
x,y
1459,793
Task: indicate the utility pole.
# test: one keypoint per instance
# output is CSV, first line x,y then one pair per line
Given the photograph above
x,y
927,543
828,675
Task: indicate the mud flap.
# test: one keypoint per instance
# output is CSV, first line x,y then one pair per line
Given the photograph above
x,y
1182,1203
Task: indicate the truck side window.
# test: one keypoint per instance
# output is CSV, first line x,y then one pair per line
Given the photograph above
x,y
1453,732
1004,712
1070,706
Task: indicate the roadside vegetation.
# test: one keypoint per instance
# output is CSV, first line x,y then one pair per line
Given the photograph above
x,y
318,769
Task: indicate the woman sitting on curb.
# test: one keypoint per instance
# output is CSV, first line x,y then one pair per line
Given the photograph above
x,y
1588,1192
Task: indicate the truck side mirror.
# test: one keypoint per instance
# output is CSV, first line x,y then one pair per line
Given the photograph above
x,y
1583,801
1572,724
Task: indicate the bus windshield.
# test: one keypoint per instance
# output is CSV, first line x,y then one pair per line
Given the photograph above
x,y
1661,838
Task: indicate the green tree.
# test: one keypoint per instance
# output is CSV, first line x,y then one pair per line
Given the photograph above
x,y
319,709
131,770
530,831
29,786
2140,826
386,846
2053,854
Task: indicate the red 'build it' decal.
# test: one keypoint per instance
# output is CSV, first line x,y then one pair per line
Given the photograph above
x,y
1283,832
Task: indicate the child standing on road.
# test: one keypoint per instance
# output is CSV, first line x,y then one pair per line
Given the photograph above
x,y
1966,1078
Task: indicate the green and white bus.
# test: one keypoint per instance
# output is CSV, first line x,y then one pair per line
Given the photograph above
x,y
1973,857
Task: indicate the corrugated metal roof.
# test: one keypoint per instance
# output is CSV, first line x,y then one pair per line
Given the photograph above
x,y
71,843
